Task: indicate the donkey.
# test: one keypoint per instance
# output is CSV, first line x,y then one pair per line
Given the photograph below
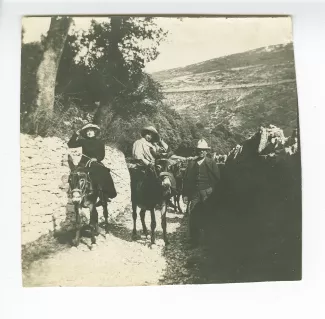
x,y
151,187
178,170
84,193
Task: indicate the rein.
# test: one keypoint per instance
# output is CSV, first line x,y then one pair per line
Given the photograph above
x,y
90,161
82,189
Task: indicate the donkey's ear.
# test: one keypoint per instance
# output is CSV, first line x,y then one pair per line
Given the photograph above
x,y
70,162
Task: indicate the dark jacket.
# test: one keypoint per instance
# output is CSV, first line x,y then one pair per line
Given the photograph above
x,y
99,174
189,185
91,147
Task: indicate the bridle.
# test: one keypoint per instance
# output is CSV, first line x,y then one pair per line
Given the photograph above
x,y
82,184
163,177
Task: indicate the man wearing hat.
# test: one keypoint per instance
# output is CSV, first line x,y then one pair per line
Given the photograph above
x,y
149,146
201,178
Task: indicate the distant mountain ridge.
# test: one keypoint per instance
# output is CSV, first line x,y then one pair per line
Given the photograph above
x,y
236,93
265,55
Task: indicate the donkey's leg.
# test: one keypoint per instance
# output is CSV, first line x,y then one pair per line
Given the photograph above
x,y
142,216
153,225
93,222
94,219
175,200
164,222
178,204
187,208
76,240
170,204
96,196
105,211
134,216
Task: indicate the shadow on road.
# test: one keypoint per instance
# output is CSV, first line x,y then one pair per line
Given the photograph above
x,y
237,246
122,227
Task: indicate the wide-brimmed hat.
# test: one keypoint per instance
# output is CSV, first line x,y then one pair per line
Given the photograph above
x,y
202,145
150,129
88,126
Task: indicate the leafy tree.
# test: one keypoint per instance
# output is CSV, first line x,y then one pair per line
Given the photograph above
x,y
111,72
115,60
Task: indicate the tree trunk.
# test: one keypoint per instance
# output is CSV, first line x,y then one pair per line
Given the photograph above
x,y
47,70
115,63
117,75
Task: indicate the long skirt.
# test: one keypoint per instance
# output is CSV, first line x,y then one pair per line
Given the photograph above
x,y
101,176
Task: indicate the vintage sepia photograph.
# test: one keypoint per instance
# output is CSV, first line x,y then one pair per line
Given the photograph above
x,y
159,150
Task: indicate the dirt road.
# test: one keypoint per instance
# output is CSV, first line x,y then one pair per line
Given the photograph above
x,y
119,261
224,87
230,253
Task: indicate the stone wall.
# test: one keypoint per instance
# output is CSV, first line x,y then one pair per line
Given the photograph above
x,y
44,198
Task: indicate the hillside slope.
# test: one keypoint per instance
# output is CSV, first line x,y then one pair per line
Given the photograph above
x,y
236,93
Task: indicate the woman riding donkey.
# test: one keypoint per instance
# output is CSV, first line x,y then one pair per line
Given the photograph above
x,y
99,182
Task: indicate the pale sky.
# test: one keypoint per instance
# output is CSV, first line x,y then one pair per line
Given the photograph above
x,y
194,40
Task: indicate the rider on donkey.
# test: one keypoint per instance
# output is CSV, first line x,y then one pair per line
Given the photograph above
x,y
151,183
146,151
93,152
149,146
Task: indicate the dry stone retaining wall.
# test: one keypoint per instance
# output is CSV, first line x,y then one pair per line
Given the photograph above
x,y
44,198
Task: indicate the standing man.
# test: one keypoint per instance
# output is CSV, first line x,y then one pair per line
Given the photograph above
x,y
201,178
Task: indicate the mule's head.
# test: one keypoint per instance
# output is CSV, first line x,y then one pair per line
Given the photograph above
x,y
162,165
178,170
78,180
163,168
166,186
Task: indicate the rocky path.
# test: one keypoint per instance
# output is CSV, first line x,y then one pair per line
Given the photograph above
x,y
119,261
